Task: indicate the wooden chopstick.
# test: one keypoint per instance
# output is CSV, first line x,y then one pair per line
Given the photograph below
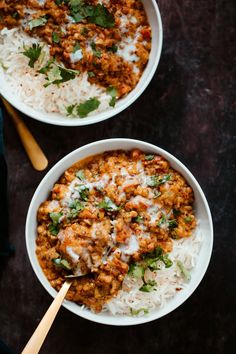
x,y
32,149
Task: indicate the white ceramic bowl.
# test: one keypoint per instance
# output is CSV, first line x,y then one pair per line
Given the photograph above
x,y
58,119
202,212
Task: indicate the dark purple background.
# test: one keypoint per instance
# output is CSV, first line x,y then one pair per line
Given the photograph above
x,y
189,110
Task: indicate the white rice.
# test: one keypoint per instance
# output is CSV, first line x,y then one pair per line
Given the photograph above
x,y
169,281
27,83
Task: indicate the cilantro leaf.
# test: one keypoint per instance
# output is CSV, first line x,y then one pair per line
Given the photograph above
x,y
91,74
166,260
16,15
137,312
46,67
70,109
80,175
155,181
33,53
83,192
37,22
76,206
149,157
61,263
172,224
107,204
53,229
102,17
112,91
57,74
139,219
151,259
162,220
55,37
176,212
96,53
97,14
188,219
83,109
149,286
113,48
76,47
184,271
136,270
55,217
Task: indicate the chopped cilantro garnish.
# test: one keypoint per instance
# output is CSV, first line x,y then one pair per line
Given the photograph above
x,y
80,175
76,47
162,220
91,74
183,270
96,53
55,37
156,253
16,15
136,270
139,219
112,91
37,22
155,181
176,212
70,109
61,263
102,17
166,260
107,204
53,227
97,14
83,109
76,206
57,74
83,192
149,157
33,53
151,259
46,67
149,286
55,217
137,312
188,219
113,48
172,224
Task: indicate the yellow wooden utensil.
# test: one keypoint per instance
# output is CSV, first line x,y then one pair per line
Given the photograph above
x,y
34,344
32,149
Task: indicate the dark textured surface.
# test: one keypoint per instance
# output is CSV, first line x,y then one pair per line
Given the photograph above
x,y
188,109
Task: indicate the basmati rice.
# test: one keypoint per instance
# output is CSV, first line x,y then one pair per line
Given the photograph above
x,y
28,84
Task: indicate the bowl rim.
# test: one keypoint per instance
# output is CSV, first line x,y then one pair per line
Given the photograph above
x,y
107,114
117,320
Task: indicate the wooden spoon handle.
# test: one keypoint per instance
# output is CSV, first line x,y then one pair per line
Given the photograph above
x,y
34,344
33,150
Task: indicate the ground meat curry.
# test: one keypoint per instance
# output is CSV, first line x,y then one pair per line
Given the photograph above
x,y
104,215
110,40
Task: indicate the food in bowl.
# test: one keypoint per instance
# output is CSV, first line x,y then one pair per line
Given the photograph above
x,y
123,222
73,57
